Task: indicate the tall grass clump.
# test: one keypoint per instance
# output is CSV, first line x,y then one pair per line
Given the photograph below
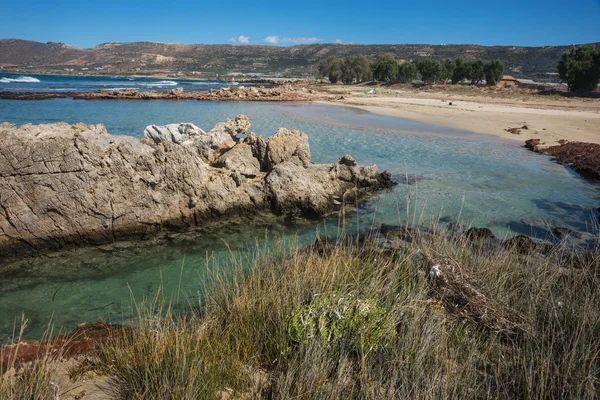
x,y
28,381
434,316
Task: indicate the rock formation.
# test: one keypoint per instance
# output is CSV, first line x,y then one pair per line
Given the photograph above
x,y
236,93
64,185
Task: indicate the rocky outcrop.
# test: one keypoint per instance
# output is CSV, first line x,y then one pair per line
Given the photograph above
x,y
210,145
175,133
64,185
290,146
235,93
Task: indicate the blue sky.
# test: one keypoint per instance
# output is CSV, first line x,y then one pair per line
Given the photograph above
x,y
85,23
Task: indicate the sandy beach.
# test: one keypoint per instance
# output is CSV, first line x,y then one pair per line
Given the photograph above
x,y
549,119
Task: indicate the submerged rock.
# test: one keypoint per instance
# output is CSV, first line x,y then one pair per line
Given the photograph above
x,y
64,185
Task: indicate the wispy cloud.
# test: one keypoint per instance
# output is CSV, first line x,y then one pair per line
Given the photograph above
x,y
340,41
289,40
240,39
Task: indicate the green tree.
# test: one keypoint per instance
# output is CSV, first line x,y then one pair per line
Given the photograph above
x,y
384,57
407,72
331,67
494,70
448,68
385,68
462,70
430,70
580,68
356,69
477,72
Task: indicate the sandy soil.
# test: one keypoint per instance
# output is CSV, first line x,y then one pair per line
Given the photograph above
x,y
549,118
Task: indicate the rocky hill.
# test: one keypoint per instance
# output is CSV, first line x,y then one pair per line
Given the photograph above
x,y
302,59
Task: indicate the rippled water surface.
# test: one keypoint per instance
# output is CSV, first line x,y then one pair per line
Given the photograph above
x,y
78,83
442,173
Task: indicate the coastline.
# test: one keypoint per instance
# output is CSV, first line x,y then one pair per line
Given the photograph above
x,y
515,115
546,122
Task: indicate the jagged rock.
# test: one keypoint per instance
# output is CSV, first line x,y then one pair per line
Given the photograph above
x,y
222,137
65,185
288,145
311,190
211,145
561,232
346,169
347,160
478,233
183,134
232,127
241,159
522,243
259,148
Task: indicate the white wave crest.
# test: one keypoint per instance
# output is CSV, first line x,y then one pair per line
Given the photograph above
x,y
117,88
160,83
20,79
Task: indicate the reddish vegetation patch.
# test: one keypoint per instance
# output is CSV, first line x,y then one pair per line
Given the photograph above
x,y
87,338
582,157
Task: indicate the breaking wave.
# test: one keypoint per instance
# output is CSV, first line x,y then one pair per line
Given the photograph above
x,y
20,79
160,83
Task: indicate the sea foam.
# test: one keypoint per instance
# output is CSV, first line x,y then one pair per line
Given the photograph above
x,y
160,83
20,79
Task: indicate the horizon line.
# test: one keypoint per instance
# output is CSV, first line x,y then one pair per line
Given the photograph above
x,y
305,44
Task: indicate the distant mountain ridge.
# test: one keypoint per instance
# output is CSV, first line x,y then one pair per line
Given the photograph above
x,y
131,57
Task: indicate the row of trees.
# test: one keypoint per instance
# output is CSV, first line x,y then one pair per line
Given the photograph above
x,y
385,68
579,68
355,68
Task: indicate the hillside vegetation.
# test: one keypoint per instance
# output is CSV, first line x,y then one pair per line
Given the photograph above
x,y
301,59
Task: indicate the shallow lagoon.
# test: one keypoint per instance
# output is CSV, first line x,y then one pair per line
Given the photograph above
x,y
442,173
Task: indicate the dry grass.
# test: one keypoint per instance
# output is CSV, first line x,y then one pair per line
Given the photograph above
x,y
463,321
27,382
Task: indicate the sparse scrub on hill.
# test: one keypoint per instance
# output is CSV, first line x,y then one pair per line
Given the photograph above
x,y
438,316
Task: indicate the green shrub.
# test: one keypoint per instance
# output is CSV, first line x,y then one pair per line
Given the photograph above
x,y
342,320
580,68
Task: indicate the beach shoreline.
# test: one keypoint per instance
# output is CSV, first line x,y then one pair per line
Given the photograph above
x,y
515,119
512,114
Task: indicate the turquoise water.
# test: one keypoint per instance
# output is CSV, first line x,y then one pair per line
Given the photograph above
x,y
451,173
